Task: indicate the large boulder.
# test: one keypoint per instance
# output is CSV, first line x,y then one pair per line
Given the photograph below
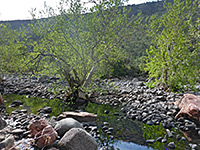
x,y
77,139
80,116
65,125
189,105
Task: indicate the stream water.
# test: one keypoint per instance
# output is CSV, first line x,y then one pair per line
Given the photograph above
x,y
126,134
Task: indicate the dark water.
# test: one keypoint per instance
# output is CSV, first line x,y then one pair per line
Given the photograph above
x,y
126,134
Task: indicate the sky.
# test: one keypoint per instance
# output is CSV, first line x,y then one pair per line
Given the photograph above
x,y
20,9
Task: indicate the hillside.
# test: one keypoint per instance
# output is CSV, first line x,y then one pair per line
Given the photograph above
x,y
147,9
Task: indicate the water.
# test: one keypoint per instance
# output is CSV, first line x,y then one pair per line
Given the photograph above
x,y
126,134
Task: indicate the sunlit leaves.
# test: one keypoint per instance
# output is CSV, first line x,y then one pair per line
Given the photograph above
x,y
172,61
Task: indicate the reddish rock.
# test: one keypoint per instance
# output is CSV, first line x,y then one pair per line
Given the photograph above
x,y
189,105
79,116
42,132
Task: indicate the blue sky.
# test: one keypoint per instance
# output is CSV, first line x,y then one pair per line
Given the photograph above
x,y
19,9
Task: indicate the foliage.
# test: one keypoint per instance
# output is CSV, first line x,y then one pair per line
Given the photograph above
x,y
77,45
172,59
156,131
10,50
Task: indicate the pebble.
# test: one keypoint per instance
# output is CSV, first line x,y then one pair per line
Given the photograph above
x,y
171,145
150,141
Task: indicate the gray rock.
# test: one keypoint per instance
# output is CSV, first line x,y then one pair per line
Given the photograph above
x,y
169,133
194,146
7,143
17,131
164,140
150,141
77,139
45,110
171,145
65,125
2,123
44,79
16,103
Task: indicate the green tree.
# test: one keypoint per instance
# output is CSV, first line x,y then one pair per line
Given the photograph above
x,y
11,59
172,58
79,42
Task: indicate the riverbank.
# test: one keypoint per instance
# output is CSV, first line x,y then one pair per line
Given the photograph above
x,y
150,106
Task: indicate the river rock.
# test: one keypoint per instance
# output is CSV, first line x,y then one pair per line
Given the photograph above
x,y
65,125
45,110
80,116
16,103
171,145
7,143
2,123
77,139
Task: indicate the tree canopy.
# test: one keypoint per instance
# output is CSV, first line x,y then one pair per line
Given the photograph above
x,y
80,43
173,58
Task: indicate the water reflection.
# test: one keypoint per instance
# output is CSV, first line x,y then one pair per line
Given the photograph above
x,y
121,145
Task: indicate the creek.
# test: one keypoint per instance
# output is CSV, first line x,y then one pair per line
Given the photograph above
x,y
120,132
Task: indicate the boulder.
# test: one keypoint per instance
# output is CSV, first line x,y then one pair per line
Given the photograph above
x,y
80,116
77,139
189,106
65,125
42,132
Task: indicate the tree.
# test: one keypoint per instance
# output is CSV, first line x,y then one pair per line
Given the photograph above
x,y
172,58
11,59
80,41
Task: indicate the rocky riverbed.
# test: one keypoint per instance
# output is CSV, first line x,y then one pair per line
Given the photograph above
x,y
137,101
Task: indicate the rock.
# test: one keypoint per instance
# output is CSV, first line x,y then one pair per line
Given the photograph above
x,y
171,145
1,100
150,141
77,139
24,92
164,140
44,79
189,105
16,103
194,147
79,116
106,111
169,134
43,133
65,125
17,131
45,110
7,143
178,137
159,139
2,123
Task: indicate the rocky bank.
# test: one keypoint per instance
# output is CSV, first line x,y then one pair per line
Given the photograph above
x,y
137,101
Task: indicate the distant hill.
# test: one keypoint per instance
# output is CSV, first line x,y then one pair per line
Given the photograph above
x,y
147,9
